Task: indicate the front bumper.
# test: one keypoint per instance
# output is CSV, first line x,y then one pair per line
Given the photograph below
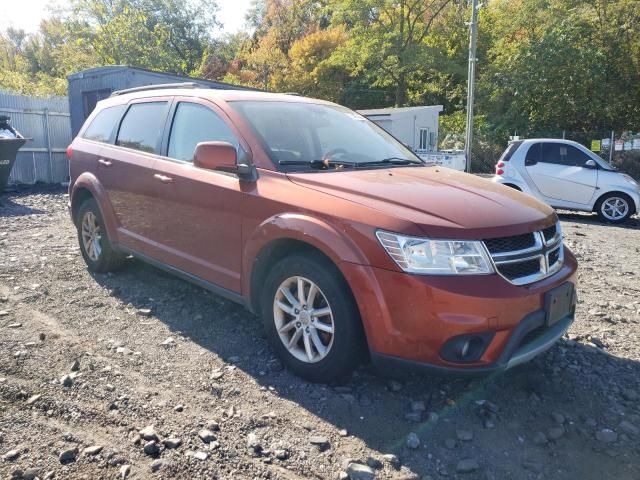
x,y
515,353
409,318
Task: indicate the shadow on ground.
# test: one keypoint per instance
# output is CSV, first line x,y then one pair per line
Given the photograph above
x,y
577,381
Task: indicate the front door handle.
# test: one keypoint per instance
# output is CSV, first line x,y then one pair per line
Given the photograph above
x,y
106,163
162,178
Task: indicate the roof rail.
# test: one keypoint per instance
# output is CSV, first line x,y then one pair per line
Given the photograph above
x,y
160,86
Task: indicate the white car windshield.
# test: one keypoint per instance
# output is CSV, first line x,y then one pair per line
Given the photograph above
x,y
300,135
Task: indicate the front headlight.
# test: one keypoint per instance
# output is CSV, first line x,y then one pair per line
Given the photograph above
x,y
630,179
436,257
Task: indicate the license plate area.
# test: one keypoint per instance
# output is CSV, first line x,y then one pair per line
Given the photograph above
x,y
559,302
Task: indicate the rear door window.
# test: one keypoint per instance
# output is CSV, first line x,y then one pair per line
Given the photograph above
x,y
555,153
104,124
141,128
194,123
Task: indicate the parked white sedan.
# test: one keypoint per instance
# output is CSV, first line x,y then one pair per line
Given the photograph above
x,y
567,175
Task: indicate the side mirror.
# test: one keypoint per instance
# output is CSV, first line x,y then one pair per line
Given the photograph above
x,y
221,156
590,164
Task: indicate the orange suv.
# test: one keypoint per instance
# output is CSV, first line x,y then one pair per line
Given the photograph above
x,y
343,241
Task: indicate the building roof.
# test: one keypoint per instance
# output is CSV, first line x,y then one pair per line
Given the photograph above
x,y
400,110
108,69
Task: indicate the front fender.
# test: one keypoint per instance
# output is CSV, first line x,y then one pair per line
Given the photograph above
x,y
314,231
631,192
88,181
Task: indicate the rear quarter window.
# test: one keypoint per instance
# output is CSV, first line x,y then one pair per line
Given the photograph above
x,y
508,153
103,125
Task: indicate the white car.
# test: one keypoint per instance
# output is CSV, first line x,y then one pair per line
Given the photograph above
x,y
567,175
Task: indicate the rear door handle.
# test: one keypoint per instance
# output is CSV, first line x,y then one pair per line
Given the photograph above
x,y
162,178
106,163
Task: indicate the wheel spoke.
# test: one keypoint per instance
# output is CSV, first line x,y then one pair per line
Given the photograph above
x,y
287,326
284,307
289,296
321,312
311,296
322,350
307,346
323,327
301,297
294,339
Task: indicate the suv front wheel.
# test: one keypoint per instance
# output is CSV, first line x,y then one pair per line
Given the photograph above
x,y
95,246
311,319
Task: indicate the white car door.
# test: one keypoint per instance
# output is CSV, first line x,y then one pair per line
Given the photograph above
x,y
559,172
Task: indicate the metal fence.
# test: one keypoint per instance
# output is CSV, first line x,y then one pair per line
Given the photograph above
x,y
46,122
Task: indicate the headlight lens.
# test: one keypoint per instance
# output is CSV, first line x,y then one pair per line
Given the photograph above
x,y
630,179
436,257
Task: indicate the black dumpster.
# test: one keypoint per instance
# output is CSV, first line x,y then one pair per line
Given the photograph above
x,y
10,143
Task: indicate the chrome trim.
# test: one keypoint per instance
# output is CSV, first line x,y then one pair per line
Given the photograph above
x,y
542,250
535,248
541,344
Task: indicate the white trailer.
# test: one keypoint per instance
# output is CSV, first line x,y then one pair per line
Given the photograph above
x,y
416,127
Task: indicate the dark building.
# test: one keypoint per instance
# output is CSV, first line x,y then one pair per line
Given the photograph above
x,y
87,87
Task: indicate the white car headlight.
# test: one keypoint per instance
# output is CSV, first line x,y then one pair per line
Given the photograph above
x,y
436,257
630,179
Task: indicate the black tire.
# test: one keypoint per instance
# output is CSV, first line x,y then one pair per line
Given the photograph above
x,y
600,207
349,345
108,260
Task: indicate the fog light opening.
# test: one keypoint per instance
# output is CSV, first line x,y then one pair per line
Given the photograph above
x,y
466,348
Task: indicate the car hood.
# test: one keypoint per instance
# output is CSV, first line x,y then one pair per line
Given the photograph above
x,y
441,202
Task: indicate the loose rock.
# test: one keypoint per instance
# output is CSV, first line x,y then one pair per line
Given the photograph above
x,y
357,471
413,441
606,435
467,465
93,450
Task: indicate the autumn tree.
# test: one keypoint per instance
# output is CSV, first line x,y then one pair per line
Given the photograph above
x,y
386,39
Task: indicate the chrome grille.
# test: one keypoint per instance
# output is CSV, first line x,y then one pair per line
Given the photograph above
x,y
527,258
508,244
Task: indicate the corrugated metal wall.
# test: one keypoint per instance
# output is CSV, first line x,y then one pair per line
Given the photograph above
x,y
46,122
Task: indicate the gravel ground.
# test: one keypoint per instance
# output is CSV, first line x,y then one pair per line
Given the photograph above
x,y
141,375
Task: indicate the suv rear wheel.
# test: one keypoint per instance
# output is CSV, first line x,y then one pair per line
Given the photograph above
x,y
94,242
614,208
311,319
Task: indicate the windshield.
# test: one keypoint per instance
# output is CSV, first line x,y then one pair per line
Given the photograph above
x,y
301,135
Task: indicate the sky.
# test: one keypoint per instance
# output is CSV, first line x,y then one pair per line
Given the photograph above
x,y
26,14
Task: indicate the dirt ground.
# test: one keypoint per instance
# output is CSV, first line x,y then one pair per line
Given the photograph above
x,y
89,362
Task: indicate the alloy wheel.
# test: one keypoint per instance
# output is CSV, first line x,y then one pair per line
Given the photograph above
x,y
91,236
615,208
303,319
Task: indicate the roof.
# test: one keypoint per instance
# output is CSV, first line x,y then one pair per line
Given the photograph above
x,y
212,94
108,69
399,110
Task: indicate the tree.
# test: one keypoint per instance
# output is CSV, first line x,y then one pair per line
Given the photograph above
x,y
168,35
387,39
312,69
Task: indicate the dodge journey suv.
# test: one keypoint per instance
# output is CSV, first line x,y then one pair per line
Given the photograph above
x,y
346,244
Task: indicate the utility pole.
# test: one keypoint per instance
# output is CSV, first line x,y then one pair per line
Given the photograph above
x,y
471,80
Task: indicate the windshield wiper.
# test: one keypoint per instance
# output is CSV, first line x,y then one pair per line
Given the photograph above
x,y
392,161
321,164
